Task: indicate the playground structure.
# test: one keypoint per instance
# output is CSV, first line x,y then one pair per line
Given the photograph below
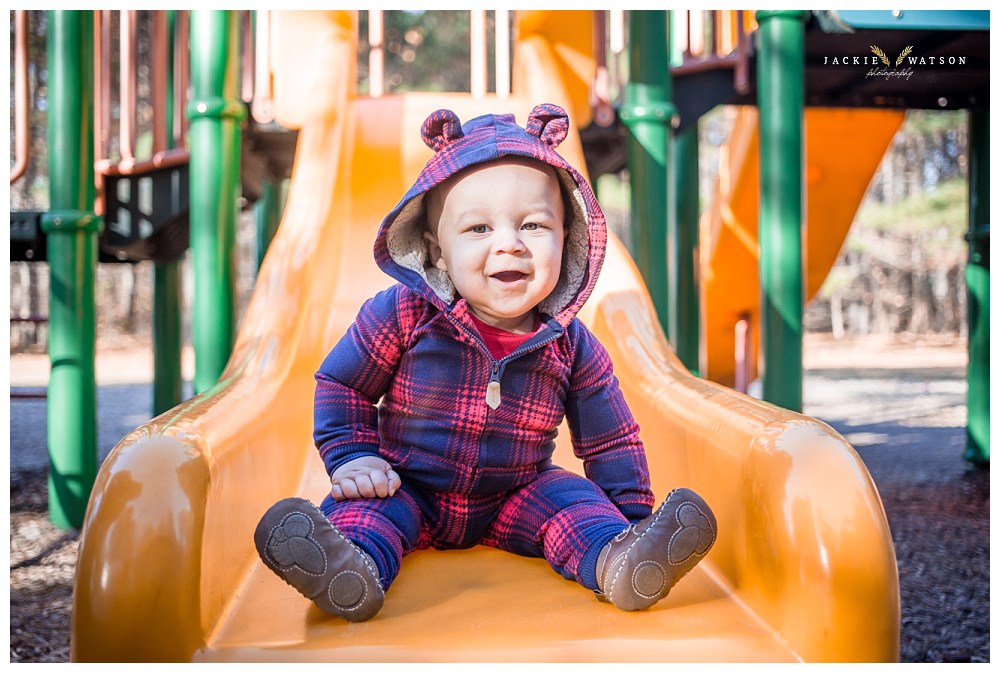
x,y
182,490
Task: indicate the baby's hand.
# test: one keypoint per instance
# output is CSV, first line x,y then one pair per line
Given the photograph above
x,y
368,477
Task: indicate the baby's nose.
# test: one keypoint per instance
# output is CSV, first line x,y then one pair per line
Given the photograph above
x,y
509,240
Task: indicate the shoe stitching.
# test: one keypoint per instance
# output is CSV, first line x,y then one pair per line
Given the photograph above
x,y
364,557
618,572
636,589
360,603
326,564
677,532
312,529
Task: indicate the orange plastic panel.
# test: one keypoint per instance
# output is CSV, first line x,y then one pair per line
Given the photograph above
x,y
843,150
569,38
803,568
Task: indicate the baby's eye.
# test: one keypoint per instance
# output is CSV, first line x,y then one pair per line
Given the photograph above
x,y
531,226
479,229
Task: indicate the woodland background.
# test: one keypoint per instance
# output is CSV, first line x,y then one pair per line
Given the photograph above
x,y
900,271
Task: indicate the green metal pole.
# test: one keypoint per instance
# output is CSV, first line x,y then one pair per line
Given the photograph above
x,y
683,246
167,339
268,212
780,97
977,281
215,114
72,229
682,234
167,379
649,115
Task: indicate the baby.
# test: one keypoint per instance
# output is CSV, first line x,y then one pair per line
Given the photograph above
x,y
436,413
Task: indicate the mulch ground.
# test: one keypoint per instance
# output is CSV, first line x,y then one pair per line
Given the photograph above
x,y
939,515
42,565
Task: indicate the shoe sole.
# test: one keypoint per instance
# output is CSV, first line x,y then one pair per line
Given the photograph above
x,y
305,550
681,533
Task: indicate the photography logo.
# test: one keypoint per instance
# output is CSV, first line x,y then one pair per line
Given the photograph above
x,y
890,69
901,67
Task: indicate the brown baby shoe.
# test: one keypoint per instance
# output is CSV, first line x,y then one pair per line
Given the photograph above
x,y
298,543
642,564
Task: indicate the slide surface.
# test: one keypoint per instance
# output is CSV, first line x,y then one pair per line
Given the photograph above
x,y
803,569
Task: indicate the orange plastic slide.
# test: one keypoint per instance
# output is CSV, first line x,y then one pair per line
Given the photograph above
x,y
804,567
843,148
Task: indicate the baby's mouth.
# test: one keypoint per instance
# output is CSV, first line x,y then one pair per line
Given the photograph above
x,y
509,276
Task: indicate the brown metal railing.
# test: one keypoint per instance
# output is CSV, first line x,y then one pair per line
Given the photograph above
x,y
742,353
711,40
477,53
600,99
22,104
167,124
716,39
723,44
257,59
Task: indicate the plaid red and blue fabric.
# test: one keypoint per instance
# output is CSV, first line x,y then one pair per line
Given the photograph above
x,y
408,383
559,516
431,371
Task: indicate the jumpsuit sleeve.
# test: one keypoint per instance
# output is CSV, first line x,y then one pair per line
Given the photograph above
x,y
353,378
605,434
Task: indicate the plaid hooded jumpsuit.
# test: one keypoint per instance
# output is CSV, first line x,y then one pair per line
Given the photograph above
x,y
408,382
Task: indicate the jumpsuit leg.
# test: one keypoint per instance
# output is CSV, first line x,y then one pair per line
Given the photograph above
x,y
562,517
387,529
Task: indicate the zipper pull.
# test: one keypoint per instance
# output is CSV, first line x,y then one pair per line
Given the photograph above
x,y
493,389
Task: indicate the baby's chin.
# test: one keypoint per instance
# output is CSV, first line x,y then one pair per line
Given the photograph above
x,y
510,320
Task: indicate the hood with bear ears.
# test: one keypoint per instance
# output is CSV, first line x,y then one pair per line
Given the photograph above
x,y
402,251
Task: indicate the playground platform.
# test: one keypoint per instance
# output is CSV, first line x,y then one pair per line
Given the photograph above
x,y
901,405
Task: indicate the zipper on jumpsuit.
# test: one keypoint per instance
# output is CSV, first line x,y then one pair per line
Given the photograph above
x,y
493,396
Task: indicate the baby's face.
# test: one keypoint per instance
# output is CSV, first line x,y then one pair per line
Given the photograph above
x,y
497,230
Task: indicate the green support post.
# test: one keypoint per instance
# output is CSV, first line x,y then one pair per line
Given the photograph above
x,y
268,211
780,98
167,379
977,281
682,235
682,243
215,115
167,339
71,228
649,115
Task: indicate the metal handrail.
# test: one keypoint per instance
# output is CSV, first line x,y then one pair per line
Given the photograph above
x,y
22,104
600,99
167,125
159,93
501,23
182,72
262,97
477,52
728,45
376,54
477,56
725,45
127,68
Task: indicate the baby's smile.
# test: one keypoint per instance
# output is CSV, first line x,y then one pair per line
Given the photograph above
x,y
509,276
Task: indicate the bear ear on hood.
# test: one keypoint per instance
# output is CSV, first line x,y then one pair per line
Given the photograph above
x,y
440,128
549,123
